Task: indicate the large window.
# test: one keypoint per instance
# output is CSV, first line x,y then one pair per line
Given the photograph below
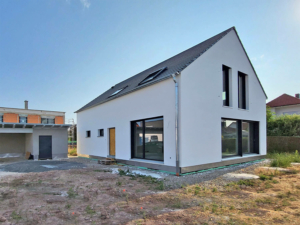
x,y
242,90
1,119
239,137
147,139
48,121
226,86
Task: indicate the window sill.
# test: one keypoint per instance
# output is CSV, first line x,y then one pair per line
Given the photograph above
x,y
247,110
100,136
246,155
228,107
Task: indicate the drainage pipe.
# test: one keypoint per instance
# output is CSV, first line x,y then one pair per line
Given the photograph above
x,y
176,123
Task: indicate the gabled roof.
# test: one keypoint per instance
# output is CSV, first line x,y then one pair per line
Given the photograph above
x,y
284,100
172,65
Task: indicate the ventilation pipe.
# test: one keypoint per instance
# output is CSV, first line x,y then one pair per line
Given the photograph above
x,y
26,104
176,123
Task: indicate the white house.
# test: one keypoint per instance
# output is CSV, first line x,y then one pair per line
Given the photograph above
x,y
285,105
219,120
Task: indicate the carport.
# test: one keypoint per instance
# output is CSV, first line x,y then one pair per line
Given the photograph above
x,y
43,141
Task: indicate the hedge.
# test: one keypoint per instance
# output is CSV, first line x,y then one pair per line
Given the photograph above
x,y
284,125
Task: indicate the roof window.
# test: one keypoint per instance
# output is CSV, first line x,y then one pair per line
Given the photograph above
x,y
152,76
118,91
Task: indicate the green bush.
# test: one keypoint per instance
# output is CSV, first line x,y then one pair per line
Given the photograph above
x,y
283,159
283,125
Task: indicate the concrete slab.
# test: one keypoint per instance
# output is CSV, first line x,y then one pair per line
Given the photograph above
x,y
295,164
276,168
239,176
4,174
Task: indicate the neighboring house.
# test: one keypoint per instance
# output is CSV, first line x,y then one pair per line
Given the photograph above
x,y
42,133
135,120
285,105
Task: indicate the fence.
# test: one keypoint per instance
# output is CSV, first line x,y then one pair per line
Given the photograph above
x,y
283,144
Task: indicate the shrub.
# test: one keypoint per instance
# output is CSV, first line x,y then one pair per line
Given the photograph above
x,y
72,152
284,125
281,160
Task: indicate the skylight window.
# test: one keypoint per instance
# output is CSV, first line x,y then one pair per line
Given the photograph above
x,y
152,76
117,91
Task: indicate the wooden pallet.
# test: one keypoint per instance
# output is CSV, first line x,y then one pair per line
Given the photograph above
x,y
107,161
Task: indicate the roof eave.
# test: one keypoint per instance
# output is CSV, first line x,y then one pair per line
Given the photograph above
x,y
135,89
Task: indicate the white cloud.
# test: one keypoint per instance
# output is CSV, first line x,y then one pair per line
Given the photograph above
x,y
85,3
261,56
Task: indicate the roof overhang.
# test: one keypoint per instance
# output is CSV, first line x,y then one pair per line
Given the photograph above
x,y
28,127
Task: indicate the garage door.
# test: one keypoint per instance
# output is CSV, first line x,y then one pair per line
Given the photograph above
x,y
45,147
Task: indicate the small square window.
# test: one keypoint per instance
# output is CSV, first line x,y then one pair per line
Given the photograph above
x,y
22,119
100,132
88,133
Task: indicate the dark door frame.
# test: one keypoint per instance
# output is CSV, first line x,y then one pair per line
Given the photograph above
x,y
132,124
40,146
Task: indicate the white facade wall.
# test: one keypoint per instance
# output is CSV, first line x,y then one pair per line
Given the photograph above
x,y
152,101
200,109
289,109
201,104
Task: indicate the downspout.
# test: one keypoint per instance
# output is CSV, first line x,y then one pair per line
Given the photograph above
x,y
176,123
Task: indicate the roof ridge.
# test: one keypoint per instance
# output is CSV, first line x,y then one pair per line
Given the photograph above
x,y
174,64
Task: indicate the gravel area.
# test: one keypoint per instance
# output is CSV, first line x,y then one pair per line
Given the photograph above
x,y
28,166
172,182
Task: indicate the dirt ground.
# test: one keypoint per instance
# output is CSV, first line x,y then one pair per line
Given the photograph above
x,y
97,196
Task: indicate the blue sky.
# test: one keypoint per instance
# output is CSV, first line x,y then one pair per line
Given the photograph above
x,y
61,54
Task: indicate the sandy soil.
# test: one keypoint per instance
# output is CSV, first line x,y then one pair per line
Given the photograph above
x,y
95,196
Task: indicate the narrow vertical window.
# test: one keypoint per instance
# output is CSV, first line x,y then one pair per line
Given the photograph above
x,y
88,133
225,94
100,132
242,90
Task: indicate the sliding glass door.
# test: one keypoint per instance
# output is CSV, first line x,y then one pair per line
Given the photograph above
x,y
239,137
148,139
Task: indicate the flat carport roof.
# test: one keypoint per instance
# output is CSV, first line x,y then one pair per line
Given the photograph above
x,y
28,127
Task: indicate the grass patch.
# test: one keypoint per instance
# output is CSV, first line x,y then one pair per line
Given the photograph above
x,y
15,216
119,183
89,210
72,152
283,159
71,193
246,182
265,177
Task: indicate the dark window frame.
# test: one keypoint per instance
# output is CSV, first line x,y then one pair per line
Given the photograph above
x,y
100,132
226,85
47,119
22,117
255,138
242,90
132,123
88,134
1,118
152,76
117,92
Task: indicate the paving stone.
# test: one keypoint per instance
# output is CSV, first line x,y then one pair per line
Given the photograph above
x,y
276,168
239,176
